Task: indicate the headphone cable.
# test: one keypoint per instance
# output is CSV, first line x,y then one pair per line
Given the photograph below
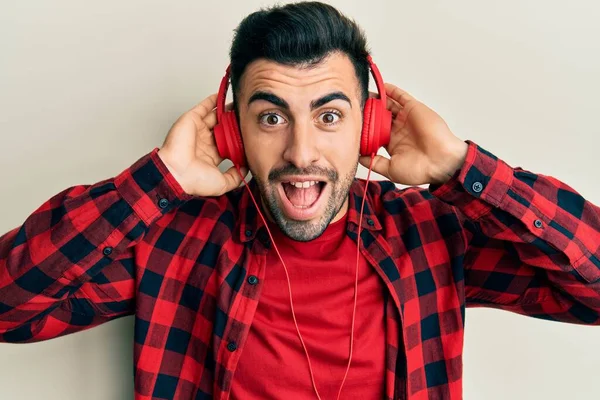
x,y
312,376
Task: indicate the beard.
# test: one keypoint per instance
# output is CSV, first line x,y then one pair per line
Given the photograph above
x,y
304,231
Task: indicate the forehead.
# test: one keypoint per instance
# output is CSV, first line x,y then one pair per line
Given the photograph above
x,y
336,72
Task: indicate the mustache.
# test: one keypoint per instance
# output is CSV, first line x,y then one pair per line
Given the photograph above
x,y
313,170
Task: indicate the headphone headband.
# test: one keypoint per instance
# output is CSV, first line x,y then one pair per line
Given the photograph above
x,y
222,95
378,79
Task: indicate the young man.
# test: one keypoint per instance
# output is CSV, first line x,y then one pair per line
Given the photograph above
x,y
175,242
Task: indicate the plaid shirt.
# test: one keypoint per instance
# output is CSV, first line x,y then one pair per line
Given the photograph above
x,y
190,269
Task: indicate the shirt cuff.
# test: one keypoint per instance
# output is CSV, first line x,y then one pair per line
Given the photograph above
x,y
480,184
150,189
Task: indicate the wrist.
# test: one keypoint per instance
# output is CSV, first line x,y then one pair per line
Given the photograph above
x,y
452,161
172,167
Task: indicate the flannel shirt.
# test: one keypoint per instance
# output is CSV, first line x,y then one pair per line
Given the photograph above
x,y
190,269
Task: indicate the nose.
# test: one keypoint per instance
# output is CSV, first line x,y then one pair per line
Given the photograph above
x,y
302,150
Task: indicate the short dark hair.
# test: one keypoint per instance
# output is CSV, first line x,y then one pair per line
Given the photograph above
x,y
298,34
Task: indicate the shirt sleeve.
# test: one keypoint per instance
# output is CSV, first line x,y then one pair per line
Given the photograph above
x,y
533,241
70,266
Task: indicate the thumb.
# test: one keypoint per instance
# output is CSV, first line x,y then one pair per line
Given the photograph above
x,y
381,164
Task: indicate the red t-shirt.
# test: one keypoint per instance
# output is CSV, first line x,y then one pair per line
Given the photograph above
x,y
322,273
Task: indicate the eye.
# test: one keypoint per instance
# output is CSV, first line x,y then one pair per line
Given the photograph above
x,y
330,117
271,119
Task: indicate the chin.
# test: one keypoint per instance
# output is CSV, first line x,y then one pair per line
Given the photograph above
x,y
304,204
307,229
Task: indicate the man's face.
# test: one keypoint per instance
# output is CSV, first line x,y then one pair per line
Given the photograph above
x,y
301,131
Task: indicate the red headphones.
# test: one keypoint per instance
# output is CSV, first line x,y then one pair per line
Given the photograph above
x,y
377,123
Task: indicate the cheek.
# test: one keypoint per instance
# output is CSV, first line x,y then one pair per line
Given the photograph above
x,y
342,153
261,155
346,142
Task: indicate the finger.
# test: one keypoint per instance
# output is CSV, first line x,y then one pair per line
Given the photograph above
x,y
205,106
397,94
233,178
393,106
381,164
211,119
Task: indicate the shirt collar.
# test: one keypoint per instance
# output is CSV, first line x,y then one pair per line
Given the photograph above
x,y
251,224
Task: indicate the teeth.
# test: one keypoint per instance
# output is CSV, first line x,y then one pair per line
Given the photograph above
x,y
303,185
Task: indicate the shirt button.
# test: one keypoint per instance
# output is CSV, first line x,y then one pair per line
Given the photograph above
x,y
248,233
370,222
477,187
253,280
538,223
107,251
231,346
163,203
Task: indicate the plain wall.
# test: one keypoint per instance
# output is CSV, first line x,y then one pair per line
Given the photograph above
x,y
86,88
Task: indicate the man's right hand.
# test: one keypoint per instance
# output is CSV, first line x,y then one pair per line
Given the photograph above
x,y
191,154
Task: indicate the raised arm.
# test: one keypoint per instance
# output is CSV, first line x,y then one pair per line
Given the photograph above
x,y
534,242
70,266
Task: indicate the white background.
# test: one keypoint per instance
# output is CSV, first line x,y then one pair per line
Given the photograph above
x,y
86,88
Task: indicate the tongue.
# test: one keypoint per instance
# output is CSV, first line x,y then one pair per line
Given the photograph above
x,y
302,197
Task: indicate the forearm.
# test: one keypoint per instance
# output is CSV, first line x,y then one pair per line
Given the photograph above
x,y
75,235
538,221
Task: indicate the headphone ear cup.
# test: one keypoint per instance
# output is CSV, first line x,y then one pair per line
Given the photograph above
x,y
365,136
238,157
229,140
385,125
377,125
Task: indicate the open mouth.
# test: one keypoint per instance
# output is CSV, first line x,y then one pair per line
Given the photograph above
x,y
303,194
301,199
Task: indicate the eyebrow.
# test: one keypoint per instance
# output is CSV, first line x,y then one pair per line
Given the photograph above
x,y
279,102
270,97
329,97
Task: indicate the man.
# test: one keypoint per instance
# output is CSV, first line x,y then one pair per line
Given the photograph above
x,y
174,241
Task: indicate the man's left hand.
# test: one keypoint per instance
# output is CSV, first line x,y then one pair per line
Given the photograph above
x,y
422,148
